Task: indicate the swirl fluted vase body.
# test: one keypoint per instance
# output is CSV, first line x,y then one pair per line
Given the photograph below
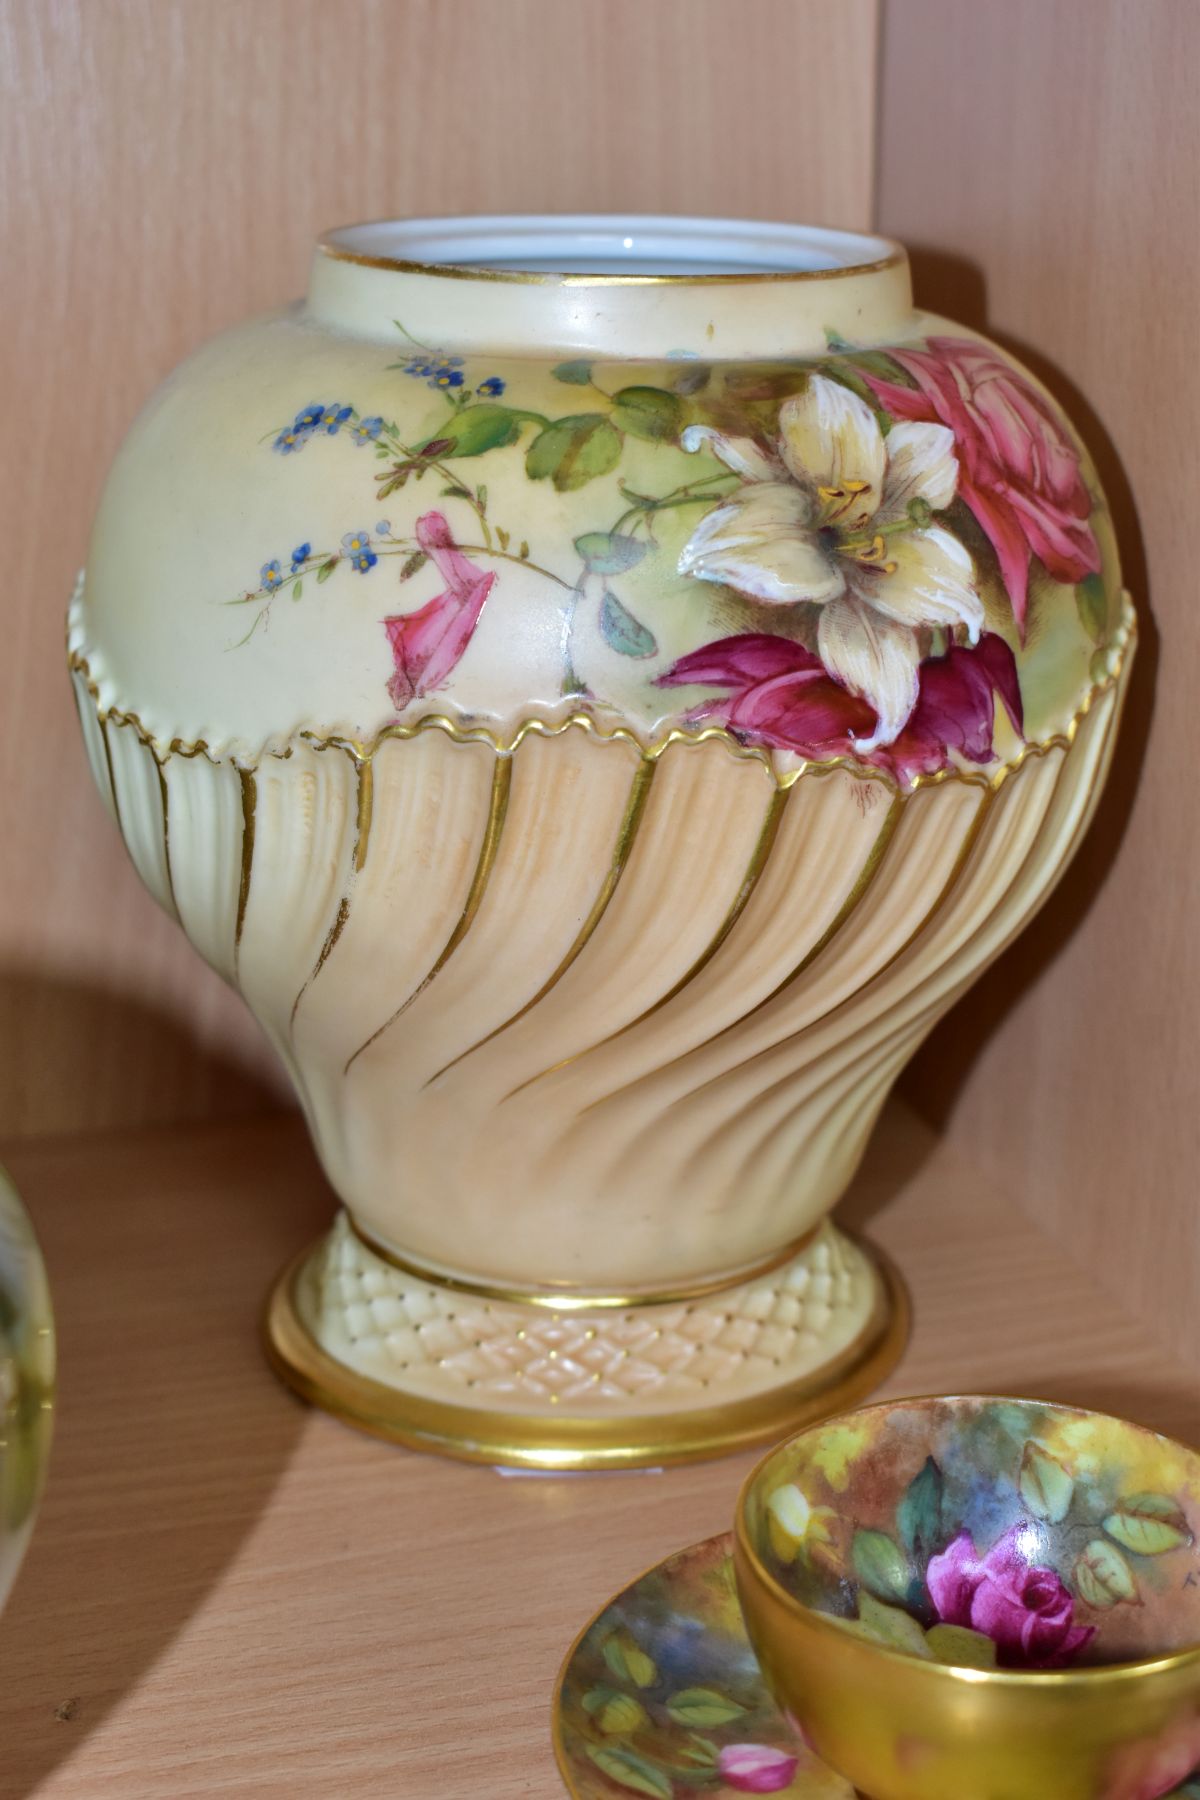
x,y
600,691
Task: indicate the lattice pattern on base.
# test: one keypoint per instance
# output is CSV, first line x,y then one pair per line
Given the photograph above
x,y
427,1340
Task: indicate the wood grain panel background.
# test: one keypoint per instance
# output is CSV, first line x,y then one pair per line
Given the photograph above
x,y
1046,157
167,164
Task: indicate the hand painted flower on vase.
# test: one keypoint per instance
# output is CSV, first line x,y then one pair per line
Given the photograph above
x,y
781,694
843,497
835,514
427,644
1019,472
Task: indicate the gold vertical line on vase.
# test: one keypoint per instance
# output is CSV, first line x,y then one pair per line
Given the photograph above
x,y
1024,885
755,868
166,831
962,858
102,719
489,846
635,808
854,899
248,782
364,777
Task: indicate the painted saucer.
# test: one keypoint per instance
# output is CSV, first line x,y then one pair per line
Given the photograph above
x,y
661,1696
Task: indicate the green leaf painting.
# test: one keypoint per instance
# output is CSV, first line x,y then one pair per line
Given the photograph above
x,y
609,552
622,1716
476,429
648,412
880,1565
573,451
892,1626
919,1514
631,1772
1148,1524
703,1706
1045,1485
575,374
628,1662
959,1645
621,631
1092,601
1102,1577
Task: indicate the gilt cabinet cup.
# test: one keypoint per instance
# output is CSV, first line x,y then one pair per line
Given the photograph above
x,y
601,690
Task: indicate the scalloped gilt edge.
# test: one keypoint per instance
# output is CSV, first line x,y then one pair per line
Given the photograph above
x,y
784,769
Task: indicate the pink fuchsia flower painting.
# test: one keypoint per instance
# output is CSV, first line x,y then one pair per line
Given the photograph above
x,y
1019,472
427,644
780,694
1028,1612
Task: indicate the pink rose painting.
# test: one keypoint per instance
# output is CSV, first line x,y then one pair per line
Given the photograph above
x,y
1018,471
426,645
780,693
1028,1612
756,1768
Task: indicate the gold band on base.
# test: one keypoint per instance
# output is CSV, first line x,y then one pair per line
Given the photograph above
x,y
572,1442
576,1300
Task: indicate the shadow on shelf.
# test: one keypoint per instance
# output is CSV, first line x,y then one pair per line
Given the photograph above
x,y
171,1433
79,1056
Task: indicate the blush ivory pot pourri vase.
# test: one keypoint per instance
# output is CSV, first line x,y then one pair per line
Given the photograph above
x,y
600,689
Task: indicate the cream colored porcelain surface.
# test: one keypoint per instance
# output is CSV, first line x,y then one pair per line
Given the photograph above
x,y
457,1347
591,980
443,1106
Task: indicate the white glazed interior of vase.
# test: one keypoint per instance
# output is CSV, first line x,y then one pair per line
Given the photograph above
x,y
597,245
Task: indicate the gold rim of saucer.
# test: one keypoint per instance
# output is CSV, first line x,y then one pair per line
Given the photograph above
x,y
568,1442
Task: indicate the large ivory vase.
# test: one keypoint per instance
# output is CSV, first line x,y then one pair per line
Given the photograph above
x,y
600,690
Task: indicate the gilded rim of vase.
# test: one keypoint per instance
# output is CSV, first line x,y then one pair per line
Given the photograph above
x,y
328,245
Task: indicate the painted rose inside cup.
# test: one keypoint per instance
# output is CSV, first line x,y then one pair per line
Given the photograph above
x,y
1028,1612
988,1533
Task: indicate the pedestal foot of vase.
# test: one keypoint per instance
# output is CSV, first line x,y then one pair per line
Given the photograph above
x,y
565,1385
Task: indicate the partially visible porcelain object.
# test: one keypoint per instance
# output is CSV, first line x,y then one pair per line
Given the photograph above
x,y
26,1381
661,1694
601,690
963,1595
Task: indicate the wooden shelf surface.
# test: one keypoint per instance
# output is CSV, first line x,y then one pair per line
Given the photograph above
x,y
228,1594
